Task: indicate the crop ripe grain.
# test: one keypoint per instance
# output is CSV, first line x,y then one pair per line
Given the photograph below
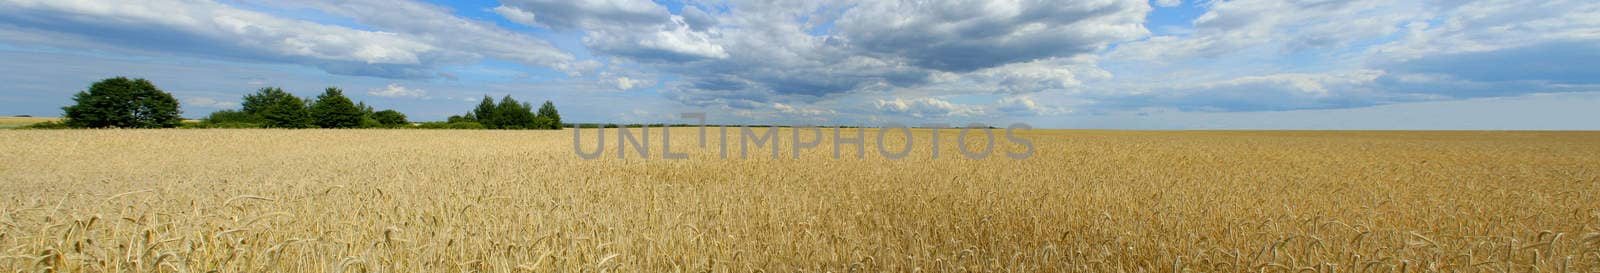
x,y
521,201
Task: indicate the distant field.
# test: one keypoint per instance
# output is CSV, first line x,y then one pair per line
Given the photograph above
x,y
522,201
14,122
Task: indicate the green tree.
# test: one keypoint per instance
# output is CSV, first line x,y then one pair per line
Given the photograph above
x,y
513,114
333,110
264,98
484,114
123,103
285,112
552,119
275,108
390,118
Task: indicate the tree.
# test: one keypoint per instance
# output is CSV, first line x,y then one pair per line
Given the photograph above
x,y
123,103
276,108
333,110
485,113
552,119
264,98
513,115
390,118
286,112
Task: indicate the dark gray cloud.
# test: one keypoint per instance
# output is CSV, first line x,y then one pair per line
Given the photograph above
x,y
569,14
963,36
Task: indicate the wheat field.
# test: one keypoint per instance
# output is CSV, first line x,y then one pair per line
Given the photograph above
x,y
15,122
259,200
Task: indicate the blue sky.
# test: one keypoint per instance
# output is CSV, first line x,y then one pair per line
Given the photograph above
x,y
1161,64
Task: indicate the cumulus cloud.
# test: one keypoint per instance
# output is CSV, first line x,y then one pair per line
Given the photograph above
x,y
926,108
468,40
517,15
406,47
638,29
801,110
1273,92
395,90
1054,74
1290,26
1482,26
746,54
964,36
1025,106
891,59
565,14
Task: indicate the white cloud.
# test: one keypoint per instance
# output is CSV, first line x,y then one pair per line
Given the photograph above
x,y
204,102
1054,74
1168,3
240,30
411,38
926,108
799,110
395,90
1287,26
1480,26
516,15
466,40
1025,106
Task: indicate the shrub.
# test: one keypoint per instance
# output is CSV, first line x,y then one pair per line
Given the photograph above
x,y
46,125
390,118
231,116
450,125
467,125
123,103
545,123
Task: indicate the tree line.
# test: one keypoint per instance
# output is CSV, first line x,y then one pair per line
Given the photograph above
x,y
271,107
509,114
137,103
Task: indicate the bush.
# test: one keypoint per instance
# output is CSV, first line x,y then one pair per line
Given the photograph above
x,y
545,123
221,125
123,103
451,125
467,125
390,118
46,125
231,116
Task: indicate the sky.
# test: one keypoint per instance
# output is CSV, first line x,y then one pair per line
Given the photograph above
x,y
1104,64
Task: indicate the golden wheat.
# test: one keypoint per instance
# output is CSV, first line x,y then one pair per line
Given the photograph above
x,y
522,201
